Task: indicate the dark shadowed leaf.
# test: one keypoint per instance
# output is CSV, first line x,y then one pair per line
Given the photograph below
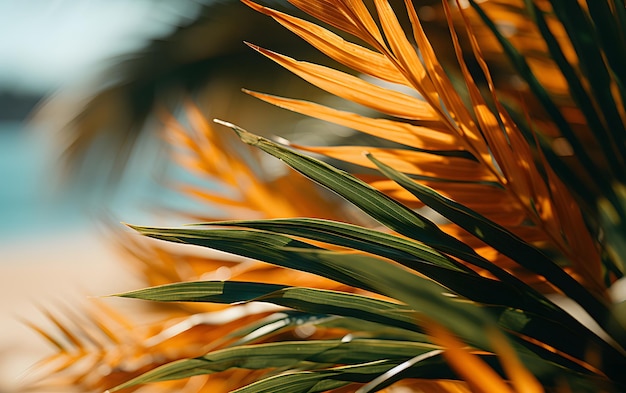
x,y
294,354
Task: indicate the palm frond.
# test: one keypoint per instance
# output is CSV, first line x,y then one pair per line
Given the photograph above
x,y
388,297
517,172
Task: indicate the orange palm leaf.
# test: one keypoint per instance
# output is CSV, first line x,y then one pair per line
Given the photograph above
x,y
485,131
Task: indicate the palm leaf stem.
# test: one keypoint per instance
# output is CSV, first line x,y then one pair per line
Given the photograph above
x,y
512,141
585,197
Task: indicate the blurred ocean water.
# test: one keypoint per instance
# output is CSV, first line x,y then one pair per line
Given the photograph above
x,y
35,203
26,197
65,43
46,46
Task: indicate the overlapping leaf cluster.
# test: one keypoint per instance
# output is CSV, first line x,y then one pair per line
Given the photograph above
x,y
531,210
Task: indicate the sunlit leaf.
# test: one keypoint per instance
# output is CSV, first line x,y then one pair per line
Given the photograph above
x,y
479,375
355,56
408,134
356,89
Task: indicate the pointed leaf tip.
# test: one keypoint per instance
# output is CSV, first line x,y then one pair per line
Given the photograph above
x,y
224,123
133,227
140,229
244,135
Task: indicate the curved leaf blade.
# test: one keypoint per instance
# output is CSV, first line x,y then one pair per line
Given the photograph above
x,y
419,137
495,236
356,89
291,354
515,248
352,55
379,206
310,300
350,236
407,252
362,271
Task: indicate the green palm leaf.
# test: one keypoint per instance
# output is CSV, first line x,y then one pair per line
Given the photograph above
x,y
305,299
289,355
360,271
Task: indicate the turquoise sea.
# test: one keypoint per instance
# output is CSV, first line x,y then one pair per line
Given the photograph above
x,y
34,202
27,200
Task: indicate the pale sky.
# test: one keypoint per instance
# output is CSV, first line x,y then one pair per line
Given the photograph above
x,y
46,43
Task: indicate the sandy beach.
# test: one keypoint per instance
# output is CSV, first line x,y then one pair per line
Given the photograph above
x,y
57,271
